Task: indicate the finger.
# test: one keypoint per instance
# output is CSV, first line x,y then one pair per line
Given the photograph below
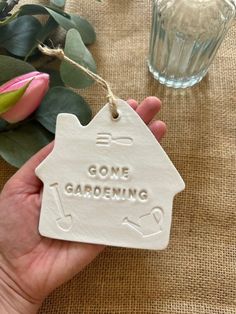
x,y
158,128
133,103
26,174
148,108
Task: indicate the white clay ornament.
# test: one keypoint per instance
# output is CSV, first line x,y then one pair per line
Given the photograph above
x,y
109,182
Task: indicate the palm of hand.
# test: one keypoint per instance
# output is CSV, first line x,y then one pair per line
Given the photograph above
x,y
36,265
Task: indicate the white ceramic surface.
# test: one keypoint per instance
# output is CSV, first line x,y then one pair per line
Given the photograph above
x,y
108,183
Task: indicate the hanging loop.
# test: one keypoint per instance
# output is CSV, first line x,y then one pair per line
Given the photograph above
x,y
59,53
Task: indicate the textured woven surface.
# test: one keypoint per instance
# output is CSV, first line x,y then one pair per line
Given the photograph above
x,y
196,274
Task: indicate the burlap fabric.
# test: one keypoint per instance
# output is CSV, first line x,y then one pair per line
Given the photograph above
x,y
196,274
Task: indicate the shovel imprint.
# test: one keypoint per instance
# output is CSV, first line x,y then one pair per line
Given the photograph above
x,y
65,221
148,225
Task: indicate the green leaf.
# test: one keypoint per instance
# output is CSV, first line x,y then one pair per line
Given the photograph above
x,y
19,36
3,124
37,9
76,50
47,29
55,78
19,144
85,29
9,99
65,20
58,3
62,18
12,67
43,34
60,100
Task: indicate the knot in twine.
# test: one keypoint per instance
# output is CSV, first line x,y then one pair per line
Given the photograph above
x,y
59,53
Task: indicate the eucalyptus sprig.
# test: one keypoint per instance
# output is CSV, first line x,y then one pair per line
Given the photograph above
x,y
20,34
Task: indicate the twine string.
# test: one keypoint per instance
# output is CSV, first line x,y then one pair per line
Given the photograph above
x,y
59,53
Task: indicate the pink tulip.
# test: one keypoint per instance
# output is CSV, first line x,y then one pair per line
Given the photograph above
x,y
32,97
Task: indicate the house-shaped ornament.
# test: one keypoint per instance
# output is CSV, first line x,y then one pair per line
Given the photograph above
x,y
109,182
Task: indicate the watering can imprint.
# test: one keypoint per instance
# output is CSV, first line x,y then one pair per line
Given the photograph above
x,y
148,225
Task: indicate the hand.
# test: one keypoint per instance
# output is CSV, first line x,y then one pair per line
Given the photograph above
x,y
31,266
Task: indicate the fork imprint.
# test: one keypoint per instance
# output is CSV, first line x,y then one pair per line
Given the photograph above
x,y
106,139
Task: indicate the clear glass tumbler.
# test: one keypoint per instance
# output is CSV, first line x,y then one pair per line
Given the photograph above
x,y
185,37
